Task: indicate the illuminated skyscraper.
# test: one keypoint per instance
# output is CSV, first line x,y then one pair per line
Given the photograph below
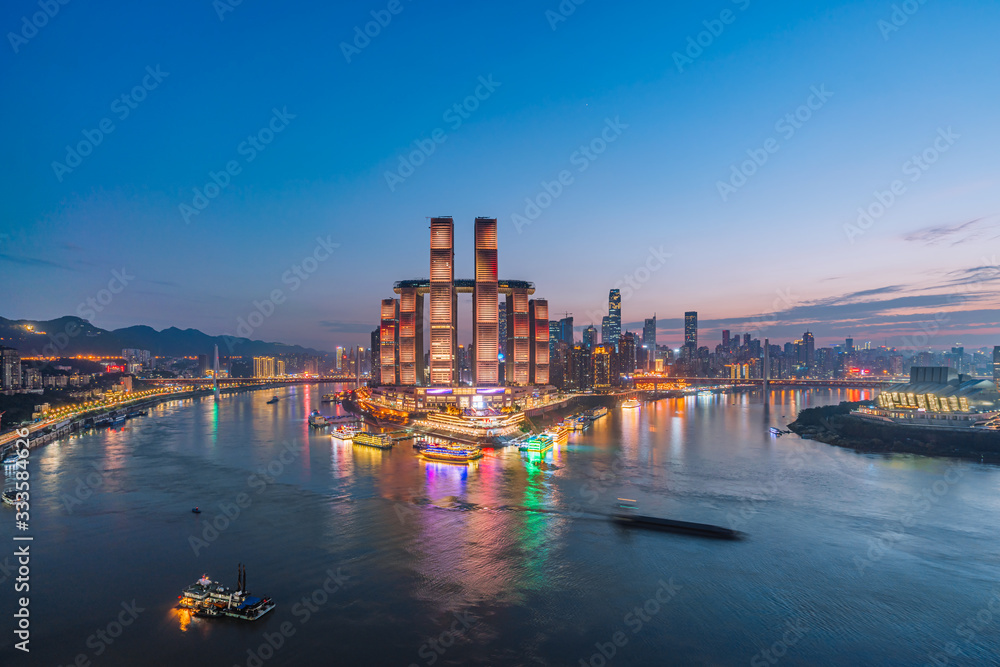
x,y
606,330
614,317
996,366
485,305
388,337
649,342
691,329
810,347
518,337
590,337
538,316
411,336
444,303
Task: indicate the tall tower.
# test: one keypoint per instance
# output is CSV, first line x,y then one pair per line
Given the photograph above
x,y
411,336
538,318
388,346
691,329
518,330
444,303
996,366
614,317
485,304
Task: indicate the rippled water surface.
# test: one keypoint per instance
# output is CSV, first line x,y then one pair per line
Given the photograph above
x,y
872,560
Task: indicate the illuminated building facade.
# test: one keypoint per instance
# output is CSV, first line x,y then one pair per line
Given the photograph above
x,y
444,303
388,337
411,336
485,305
518,335
614,317
538,344
691,329
263,367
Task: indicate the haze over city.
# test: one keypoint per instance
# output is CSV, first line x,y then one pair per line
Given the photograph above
x,y
844,111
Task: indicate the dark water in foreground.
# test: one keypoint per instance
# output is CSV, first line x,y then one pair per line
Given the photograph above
x,y
873,560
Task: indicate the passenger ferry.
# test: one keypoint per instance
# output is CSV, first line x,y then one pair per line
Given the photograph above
x,y
210,598
597,413
557,432
344,433
538,444
376,440
631,403
449,452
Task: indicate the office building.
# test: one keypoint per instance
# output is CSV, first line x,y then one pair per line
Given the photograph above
x,y
590,337
443,304
485,305
411,336
996,366
518,334
538,316
809,343
614,317
691,329
566,330
388,342
649,341
10,368
606,330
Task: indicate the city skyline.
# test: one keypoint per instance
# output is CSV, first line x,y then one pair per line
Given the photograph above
x,y
689,183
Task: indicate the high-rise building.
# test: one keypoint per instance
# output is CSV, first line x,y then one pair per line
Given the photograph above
x,y
374,363
626,353
555,337
411,336
566,334
810,349
279,368
443,304
691,329
538,316
996,366
485,306
502,311
649,342
849,345
10,368
263,367
725,339
606,330
614,316
339,363
590,337
388,342
602,364
518,337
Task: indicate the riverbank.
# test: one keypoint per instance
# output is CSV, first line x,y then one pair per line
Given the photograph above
x,y
834,425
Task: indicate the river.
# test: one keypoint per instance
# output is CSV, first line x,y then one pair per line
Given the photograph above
x,y
379,558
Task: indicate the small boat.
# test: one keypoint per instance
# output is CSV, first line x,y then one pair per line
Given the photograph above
x,y
210,598
117,419
274,399
196,511
775,430
11,459
449,453
317,420
631,403
344,433
9,497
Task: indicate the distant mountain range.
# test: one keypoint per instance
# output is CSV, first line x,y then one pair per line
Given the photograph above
x,y
70,336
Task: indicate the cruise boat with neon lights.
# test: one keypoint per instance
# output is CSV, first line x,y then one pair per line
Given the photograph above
x,y
376,440
344,433
537,444
449,452
557,432
631,403
210,598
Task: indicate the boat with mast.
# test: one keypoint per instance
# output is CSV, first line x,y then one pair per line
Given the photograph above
x,y
210,598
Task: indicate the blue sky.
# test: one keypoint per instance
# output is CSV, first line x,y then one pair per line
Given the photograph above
x,y
781,252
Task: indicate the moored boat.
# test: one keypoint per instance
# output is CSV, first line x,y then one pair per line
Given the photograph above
x,y
344,433
11,459
631,403
537,444
317,420
376,440
449,452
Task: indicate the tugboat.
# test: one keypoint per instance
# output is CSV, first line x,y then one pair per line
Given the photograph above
x,y
210,598
317,420
274,399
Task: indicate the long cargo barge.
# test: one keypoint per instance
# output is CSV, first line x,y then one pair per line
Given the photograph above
x,y
675,526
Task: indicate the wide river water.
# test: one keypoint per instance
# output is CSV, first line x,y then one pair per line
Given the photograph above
x,y
379,558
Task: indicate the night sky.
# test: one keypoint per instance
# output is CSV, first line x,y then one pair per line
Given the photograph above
x,y
714,154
